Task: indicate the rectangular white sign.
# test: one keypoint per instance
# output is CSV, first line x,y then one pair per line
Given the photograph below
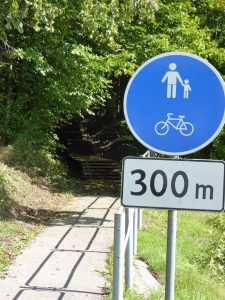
x,y
173,184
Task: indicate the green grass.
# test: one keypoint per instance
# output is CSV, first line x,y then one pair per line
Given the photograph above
x,y
14,236
28,203
25,207
196,233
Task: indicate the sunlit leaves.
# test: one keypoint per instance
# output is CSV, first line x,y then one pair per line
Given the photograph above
x,y
37,14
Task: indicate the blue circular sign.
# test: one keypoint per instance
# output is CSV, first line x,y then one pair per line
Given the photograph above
x,y
175,103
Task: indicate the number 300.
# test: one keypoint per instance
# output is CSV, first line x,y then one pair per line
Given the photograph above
x,y
164,183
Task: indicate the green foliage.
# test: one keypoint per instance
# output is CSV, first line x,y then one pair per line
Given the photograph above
x,y
218,147
17,15
211,14
48,77
14,238
217,260
60,58
3,182
36,162
128,142
216,252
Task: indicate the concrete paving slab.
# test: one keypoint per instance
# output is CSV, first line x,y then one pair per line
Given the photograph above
x,y
56,270
99,243
66,260
78,237
93,280
39,295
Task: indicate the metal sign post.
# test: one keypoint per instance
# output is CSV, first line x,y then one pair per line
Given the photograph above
x,y
171,254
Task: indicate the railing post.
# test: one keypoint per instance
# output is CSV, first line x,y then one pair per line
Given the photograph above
x,y
125,239
129,249
135,228
118,258
139,218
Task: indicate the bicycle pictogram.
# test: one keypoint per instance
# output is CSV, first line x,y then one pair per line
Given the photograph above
x,y
185,128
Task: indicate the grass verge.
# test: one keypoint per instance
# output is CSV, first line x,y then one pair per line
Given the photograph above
x,y
28,203
26,206
196,232
197,235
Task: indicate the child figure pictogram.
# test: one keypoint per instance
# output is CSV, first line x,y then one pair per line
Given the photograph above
x,y
187,88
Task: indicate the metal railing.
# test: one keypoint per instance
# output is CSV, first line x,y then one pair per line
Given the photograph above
x,y
125,247
127,221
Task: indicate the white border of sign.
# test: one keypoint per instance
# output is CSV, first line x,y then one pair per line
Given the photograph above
x,y
133,77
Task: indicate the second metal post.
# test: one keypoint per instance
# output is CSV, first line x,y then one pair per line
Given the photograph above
x,y
171,254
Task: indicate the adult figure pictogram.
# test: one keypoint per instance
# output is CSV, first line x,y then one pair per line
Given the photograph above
x,y
172,76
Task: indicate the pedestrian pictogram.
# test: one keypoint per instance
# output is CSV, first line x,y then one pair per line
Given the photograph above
x,y
187,88
172,77
175,103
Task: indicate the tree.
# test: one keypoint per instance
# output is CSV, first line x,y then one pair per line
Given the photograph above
x,y
59,58
149,28
48,75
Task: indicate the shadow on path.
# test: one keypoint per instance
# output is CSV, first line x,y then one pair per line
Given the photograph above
x,y
73,219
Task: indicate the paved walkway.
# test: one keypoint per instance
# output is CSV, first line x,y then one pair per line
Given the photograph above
x,y
67,259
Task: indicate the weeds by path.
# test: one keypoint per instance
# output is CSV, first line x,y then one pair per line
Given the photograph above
x,y
196,233
27,204
200,259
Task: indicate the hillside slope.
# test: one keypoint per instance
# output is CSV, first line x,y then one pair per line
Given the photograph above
x,y
26,205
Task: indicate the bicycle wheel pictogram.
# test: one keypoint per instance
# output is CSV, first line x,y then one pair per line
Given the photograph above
x,y
161,128
187,129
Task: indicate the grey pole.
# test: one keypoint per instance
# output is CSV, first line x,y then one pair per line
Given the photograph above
x,y
118,257
139,218
171,254
135,229
129,250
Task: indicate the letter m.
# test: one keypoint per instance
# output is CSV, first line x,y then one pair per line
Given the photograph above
x,y
204,189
